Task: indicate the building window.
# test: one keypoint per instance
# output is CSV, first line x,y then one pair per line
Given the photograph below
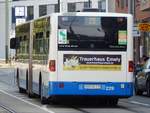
x,y
30,12
71,7
86,4
102,5
13,15
122,4
20,11
118,3
46,9
50,8
42,10
126,3
79,6
147,43
56,8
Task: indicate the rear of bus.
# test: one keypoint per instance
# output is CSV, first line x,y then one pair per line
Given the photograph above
x,y
94,55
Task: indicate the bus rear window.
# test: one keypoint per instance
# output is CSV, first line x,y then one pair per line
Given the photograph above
x,y
94,33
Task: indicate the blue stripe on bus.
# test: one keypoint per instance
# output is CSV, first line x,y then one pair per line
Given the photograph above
x,y
91,88
83,88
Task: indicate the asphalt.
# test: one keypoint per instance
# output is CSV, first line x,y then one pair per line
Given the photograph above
x,y
18,105
2,110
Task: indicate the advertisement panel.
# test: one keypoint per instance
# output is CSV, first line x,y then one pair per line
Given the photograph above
x,y
91,62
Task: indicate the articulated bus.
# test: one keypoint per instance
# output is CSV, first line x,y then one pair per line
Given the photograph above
x,y
76,54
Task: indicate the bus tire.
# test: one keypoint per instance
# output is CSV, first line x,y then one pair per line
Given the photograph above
x,y
22,90
31,95
113,102
53,100
44,100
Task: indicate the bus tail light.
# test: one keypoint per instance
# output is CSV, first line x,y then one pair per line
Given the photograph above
x,y
131,66
52,66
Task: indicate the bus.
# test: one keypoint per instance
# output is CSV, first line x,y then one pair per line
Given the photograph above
x,y
75,54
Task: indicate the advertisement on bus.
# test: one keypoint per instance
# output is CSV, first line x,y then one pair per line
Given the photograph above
x,y
92,62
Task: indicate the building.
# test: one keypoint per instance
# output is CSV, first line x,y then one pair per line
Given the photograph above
x,y
21,11
121,6
141,15
2,29
144,17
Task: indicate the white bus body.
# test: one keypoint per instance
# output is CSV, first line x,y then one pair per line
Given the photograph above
x,y
82,60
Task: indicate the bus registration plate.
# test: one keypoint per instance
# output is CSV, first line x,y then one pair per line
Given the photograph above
x,y
92,86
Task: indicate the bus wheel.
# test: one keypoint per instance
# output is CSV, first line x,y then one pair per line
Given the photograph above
x,y
113,102
44,100
31,95
21,90
53,100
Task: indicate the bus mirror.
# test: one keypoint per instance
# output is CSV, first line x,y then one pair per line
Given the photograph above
x,y
14,43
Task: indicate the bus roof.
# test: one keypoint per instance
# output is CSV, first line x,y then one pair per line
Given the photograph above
x,y
109,14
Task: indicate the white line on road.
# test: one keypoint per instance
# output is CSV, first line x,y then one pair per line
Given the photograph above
x,y
42,108
139,103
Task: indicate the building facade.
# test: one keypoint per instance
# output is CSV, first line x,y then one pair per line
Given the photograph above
x,y
141,15
21,11
144,17
2,29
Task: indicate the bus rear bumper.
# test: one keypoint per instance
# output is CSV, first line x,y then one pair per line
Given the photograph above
x,y
117,89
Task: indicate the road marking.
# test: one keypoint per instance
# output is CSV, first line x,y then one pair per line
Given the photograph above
x,y
42,108
139,103
7,108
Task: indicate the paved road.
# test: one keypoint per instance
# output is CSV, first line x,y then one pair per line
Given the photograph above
x,y
10,96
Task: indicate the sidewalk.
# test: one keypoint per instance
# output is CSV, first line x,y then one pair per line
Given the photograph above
x,y
4,65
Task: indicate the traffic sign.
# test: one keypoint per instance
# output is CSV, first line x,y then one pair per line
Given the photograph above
x,y
145,27
136,32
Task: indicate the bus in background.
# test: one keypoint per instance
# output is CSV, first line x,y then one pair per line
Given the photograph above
x,y
76,54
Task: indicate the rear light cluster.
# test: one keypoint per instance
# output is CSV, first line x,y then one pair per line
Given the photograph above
x,y
52,65
131,66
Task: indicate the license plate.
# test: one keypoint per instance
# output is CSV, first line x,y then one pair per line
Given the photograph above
x,y
92,86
